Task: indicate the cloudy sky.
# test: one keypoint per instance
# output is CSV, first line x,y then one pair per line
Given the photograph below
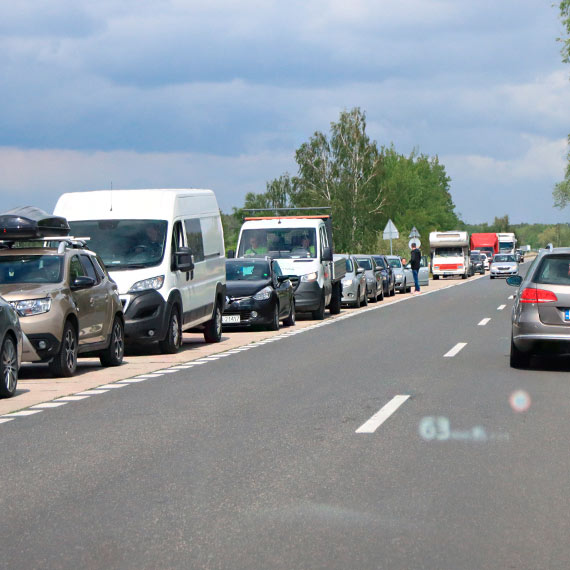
x,y
219,94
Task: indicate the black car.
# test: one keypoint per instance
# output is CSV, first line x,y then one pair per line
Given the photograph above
x,y
477,264
388,279
257,293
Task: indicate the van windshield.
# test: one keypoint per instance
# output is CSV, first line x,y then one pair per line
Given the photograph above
x,y
279,242
448,251
124,244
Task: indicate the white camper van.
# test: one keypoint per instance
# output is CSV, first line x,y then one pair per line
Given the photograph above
x,y
450,254
165,250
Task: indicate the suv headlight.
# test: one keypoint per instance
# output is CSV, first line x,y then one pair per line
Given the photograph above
x,y
264,294
309,277
145,284
32,306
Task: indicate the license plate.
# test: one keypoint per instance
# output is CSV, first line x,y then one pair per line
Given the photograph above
x,y
226,319
567,315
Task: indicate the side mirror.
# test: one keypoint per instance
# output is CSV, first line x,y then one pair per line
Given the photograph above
x,y
184,260
327,254
378,268
82,283
359,271
282,278
514,280
230,254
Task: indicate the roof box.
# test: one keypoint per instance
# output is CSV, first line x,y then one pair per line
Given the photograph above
x,y
28,223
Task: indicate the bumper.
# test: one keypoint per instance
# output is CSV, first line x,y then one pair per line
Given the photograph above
x,y
308,296
146,317
39,347
529,334
250,312
504,273
349,294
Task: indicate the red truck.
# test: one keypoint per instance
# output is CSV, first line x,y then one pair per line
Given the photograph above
x,y
486,243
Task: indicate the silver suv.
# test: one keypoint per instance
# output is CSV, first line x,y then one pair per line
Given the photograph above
x,y
67,304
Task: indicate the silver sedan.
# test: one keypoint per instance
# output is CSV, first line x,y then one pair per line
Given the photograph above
x,y
354,282
504,265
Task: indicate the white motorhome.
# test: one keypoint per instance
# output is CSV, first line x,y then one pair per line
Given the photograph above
x,y
507,243
303,247
165,251
450,254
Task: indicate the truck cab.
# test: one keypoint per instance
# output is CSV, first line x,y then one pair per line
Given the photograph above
x,y
303,247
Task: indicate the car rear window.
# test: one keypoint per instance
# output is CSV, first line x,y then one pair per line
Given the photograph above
x,y
553,270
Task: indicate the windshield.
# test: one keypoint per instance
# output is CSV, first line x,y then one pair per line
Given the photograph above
x,y
31,269
506,245
554,270
476,257
448,251
279,242
124,244
364,263
395,263
503,258
243,270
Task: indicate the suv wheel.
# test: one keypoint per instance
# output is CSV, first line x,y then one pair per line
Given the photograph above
x,y
8,368
213,328
64,363
113,354
173,339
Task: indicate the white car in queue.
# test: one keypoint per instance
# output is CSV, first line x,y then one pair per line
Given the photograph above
x,y
165,251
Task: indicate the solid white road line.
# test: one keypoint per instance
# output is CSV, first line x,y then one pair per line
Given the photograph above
x,y
459,346
484,322
501,307
382,415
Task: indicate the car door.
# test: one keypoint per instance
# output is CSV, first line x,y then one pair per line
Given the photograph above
x,y
101,310
282,289
82,302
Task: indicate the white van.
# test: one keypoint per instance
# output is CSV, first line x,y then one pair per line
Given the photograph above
x,y
165,250
450,254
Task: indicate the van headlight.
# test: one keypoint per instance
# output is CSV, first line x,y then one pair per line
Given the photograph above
x,y
264,294
309,277
145,284
31,307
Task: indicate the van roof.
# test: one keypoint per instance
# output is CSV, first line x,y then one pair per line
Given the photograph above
x,y
284,222
152,203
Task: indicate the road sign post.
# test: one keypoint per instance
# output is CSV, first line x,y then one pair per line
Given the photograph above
x,y
390,233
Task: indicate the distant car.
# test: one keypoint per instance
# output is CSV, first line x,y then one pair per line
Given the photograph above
x,y
257,293
486,261
423,272
504,265
388,278
353,283
403,276
10,349
541,311
477,263
374,284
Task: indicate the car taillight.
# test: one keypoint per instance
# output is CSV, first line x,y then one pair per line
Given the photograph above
x,y
531,295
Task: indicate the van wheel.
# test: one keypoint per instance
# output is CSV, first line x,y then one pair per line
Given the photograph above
x,y
319,314
213,328
64,363
8,368
113,354
274,325
290,320
173,339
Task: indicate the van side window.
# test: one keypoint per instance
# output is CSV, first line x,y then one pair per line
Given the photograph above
x,y
177,243
194,238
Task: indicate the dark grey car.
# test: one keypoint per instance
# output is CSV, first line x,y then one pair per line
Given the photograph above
x,y
541,312
10,349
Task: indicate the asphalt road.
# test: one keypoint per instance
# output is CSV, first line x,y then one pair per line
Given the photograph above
x,y
256,459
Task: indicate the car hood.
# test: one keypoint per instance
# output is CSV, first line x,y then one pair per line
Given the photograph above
x,y
503,264
23,291
245,288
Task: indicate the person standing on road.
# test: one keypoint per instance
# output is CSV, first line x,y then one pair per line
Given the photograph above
x,y
415,262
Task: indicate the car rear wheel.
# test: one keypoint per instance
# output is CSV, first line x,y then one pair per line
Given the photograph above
x,y
64,363
113,354
8,368
518,358
393,290
357,302
173,339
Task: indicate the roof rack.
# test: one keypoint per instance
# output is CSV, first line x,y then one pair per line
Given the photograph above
x,y
65,242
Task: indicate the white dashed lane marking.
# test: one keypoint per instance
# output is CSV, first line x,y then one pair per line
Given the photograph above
x,y
458,347
501,307
484,322
46,405
382,415
22,413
